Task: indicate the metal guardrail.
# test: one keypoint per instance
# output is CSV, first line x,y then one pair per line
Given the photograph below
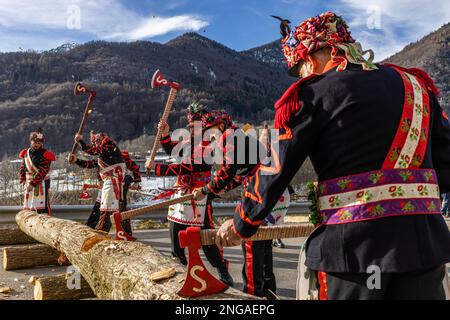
x,y
81,212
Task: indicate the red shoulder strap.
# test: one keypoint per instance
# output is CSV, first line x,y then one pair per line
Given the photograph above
x,y
427,81
410,142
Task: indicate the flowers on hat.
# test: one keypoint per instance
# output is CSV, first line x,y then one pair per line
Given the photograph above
x,y
324,30
97,137
37,136
216,117
195,112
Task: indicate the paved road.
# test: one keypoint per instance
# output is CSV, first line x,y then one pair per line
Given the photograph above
x,y
285,262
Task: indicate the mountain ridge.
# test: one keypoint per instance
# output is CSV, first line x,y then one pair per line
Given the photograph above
x,y
36,87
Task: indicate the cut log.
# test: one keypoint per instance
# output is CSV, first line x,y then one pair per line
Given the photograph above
x,y
11,234
62,287
113,269
28,256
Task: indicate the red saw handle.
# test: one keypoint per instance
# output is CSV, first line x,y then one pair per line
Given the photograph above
x,y
140,211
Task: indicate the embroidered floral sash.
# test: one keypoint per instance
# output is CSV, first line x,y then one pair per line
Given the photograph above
x,y
378,194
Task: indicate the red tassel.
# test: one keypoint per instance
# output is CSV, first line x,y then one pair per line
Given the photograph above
x,y
289,104
420,74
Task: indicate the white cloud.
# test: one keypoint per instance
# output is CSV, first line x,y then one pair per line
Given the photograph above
x,y
401,21
159,26
101,19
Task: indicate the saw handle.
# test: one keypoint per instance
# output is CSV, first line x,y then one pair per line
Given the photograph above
x,y
140,211
208,237
87,112
170,100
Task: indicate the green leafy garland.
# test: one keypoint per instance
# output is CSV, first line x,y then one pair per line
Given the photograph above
x,y
314,216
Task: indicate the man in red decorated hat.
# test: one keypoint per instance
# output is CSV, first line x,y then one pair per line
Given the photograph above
x,y
112,171
380,144
191,175
34,174
241,154
132,179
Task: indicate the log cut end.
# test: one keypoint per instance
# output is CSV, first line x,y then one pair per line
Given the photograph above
x,y
62,287
28,256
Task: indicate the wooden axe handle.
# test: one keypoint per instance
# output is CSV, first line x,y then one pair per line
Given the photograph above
x,y
137,212
87,112
266,233
172,94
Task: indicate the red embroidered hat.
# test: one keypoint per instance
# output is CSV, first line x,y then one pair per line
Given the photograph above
x,y
97,137
324,30
215,117
37,136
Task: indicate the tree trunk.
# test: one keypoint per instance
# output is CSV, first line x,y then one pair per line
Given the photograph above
x,y
11,234
28,256
113,269
62,287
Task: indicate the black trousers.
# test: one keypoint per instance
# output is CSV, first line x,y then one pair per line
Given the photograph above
x,y
94,217
419,285
47,210
257,271
212,252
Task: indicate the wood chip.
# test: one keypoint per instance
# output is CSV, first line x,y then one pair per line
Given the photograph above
x,y
163,274
62,260
5,290
32,280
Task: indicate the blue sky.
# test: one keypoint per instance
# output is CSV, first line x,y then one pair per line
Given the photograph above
x,y
386,26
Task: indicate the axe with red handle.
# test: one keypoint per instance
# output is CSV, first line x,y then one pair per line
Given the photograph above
x,y
118,217
81,89
158,80
198,281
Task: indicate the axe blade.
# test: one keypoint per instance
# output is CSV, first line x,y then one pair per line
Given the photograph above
x,y
158,80
120,233
199,281
85,196
80,89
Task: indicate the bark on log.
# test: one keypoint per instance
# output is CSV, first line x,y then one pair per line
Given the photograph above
x,y
28,256
11,234
113,269
59,288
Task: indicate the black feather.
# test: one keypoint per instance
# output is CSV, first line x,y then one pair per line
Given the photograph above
x,y
285,29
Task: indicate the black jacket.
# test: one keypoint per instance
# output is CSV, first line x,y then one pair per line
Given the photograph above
x,y
346,126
